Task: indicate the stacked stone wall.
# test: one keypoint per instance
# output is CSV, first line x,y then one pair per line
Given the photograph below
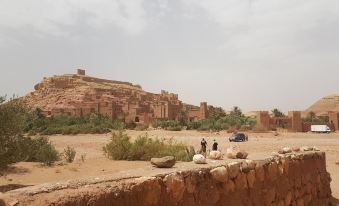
x,y
286,180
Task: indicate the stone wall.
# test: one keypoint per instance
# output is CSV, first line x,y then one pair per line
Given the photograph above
x,y
294,179
292,122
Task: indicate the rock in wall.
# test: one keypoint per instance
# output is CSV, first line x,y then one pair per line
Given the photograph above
x,y
293,179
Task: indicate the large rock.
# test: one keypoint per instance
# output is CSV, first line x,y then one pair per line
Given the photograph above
x,y
199,159
296,149
220,174
247,165
215,155
235,153
231,152
233,169
164,162
241,155
306,148
285,150
315,148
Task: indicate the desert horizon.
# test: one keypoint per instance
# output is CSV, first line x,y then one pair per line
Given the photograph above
x,y
169,103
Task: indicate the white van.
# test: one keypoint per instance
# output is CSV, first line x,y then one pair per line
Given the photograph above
x,y
320,129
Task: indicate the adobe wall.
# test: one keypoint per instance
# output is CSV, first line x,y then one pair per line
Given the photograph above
x,y
265,122
334,120
294,179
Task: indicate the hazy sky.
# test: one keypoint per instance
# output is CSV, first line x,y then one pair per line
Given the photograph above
x,y
257,54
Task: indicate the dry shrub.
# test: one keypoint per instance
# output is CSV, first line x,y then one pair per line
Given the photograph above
x,y
145,148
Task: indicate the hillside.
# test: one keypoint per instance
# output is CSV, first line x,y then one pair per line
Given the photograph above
x,y
324,105
79,95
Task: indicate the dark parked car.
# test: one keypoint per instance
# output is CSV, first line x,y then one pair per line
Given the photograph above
x,y
238,137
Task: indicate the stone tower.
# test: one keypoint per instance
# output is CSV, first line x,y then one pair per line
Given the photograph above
x,y
296,122
203,110
263,120
81,72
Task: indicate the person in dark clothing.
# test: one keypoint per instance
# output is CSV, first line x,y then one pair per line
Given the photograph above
x,y
203,145
215,146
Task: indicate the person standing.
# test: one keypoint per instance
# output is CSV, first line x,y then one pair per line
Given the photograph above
x,y
215,145
203,145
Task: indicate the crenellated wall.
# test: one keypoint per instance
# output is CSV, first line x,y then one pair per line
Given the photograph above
x,y
294,179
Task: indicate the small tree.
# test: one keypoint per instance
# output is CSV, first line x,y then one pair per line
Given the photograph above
x,y
277,113
14,146
311,116
69,154
182,117
47,154
217,113
236,112
12,120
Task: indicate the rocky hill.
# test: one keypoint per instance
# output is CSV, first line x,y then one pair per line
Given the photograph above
x,y
79,95
325,105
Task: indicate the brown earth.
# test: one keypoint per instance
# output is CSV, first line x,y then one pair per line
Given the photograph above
x,y
258,146
324,105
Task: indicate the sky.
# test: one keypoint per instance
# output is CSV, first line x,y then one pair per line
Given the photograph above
x,y
256,54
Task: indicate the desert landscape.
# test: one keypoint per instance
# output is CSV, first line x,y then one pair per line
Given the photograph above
x,y
76,132
96,164
169,103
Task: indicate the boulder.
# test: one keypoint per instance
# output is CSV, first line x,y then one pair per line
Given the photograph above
x,y
199,159
285,150
241,155
296,149
315,148
215,155
231,152
235,153
164,162
275,154
220,174
233,169
306,148
250,164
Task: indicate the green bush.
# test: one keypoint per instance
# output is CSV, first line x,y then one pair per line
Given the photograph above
x,y
69,154
69,125
119,147
216,121
13,114
145,148
14,146
174,128
171,125
38,149
219,120
47,154
141,127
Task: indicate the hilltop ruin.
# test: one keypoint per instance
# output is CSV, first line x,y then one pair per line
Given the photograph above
x,y
80,95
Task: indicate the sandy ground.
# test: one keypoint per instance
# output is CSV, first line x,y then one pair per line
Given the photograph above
x,y
95,164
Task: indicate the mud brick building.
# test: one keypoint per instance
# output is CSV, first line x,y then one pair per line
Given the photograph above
x,y
80,95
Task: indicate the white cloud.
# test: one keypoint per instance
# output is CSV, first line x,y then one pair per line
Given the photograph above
x,y
50,16
252,26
